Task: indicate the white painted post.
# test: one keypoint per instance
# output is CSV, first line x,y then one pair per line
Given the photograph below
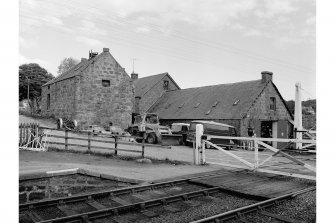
x,y
199,132
203,154
298,114
256,154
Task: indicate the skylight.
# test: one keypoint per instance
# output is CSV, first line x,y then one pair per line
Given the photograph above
x,y
197,105
209,111
215,104
236,102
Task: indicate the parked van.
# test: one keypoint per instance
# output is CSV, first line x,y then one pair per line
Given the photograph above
x,y
180,128
213,128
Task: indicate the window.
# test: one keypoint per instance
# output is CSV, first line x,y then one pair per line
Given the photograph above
x,y
106,83
272,103
48,101
166,85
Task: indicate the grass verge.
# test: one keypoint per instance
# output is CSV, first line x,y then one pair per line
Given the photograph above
x,y
120,157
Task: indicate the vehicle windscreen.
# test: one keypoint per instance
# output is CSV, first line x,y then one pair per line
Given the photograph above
x,y
138,119
176,128
152,119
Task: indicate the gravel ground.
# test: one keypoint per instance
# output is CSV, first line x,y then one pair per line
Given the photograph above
x,y
302,208
191,210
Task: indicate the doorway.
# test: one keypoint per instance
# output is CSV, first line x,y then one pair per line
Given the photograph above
x,y
266,130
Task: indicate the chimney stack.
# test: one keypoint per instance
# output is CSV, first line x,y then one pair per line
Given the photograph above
x,y
83,59
134,76
105,49
266,76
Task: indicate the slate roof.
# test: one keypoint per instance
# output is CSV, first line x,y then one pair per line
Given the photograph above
x,y
209,102
144,84
74,71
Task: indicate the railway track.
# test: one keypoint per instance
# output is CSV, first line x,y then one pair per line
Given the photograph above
x,y
241,214
115,205
86,207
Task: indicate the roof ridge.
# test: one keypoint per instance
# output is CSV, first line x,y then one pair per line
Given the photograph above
x,y
153,75
215,85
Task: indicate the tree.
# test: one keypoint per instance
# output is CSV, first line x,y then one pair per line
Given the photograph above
x,y
66,64
37,76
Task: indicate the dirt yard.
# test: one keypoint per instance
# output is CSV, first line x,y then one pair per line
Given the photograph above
x,y
44,161
31,162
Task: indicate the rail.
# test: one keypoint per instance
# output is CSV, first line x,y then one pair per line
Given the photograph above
x,y
237,213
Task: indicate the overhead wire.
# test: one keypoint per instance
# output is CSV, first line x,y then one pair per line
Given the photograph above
x,y
214,45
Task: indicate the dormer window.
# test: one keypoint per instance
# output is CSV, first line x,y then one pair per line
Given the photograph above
x,y
236,102
197,105
181,105
166,85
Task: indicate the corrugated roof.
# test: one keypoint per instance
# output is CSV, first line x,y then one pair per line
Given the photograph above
x,y
74,71
216,102
144,84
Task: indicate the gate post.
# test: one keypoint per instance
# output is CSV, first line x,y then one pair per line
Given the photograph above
x,y
203,154
256,154
199,132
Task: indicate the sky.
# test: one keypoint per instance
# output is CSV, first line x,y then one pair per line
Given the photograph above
x,y
197,42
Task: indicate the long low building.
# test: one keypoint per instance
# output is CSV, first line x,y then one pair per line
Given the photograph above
x,y
255,104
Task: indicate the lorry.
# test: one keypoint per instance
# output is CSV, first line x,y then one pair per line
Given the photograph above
x,y
147,125
215,129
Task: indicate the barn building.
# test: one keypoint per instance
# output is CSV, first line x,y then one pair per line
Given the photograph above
x,y
149,89
95,91
257,104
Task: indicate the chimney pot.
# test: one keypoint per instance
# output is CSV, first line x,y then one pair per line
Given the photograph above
x,y
266,76
134,76
105,49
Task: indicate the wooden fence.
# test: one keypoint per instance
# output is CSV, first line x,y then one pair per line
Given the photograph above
x,y
30,135
88,137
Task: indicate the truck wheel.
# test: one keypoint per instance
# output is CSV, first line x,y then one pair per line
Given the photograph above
x,y
151,139
59,123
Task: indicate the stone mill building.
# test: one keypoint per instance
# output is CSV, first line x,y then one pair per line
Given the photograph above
x,y
95,91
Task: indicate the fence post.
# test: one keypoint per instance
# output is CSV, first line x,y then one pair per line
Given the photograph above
x,y
143,141
199,132
20,133
89,135
256,154
66,138
115,139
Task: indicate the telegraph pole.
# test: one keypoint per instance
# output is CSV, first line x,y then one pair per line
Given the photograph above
x,y
28,90
298,114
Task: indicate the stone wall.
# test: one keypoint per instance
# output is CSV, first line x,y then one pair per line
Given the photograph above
x,y
154,93
96,104
85,99
261,111
62,99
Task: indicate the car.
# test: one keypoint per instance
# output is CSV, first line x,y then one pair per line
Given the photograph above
x,y
215,129
96,130
180,128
